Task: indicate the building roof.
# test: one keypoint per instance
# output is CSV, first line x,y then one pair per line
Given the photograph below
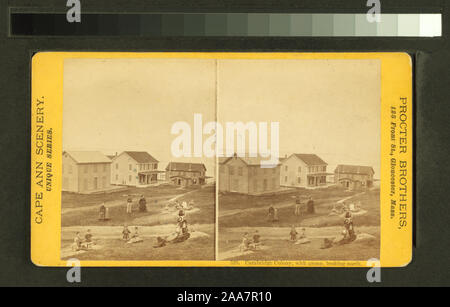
x,y
186,166
311,159
141,156
88,156
247,160
354,169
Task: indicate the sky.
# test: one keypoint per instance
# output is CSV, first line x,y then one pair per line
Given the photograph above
x,y
327,107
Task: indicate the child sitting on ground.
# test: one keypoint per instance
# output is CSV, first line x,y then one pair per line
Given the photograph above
x,y
126,233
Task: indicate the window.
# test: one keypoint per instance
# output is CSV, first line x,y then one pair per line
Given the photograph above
x,y
231,170
299,169
104,167
95,168
274,170
299,179
130,166
86,168
240,171
285,168
285,178
221,169
70,168
117,177
155,166
117,165
129,178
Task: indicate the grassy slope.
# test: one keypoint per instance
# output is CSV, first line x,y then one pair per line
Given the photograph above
x,y
204,200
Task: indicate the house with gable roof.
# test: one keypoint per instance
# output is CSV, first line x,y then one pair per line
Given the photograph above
x,y
303,170
85,171
246,175
134,168
186,174
354,176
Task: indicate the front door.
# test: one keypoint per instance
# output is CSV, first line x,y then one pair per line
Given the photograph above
x,y
235,185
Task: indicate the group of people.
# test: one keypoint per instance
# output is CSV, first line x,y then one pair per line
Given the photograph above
x,y
184,205
131,237
310,209
347,234
142,204
250,243
273,214
80,243
180,234
344,208
103,214
294,234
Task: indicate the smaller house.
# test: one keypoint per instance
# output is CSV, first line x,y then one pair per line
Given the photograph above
x,y
186,174
354,177
134,168
85,171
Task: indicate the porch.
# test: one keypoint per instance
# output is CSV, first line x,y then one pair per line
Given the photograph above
x,y
148,177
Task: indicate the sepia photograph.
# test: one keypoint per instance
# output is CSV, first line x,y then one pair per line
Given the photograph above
x,y
289,148
321,199
125,196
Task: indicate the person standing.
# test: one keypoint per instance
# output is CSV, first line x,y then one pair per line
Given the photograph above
x,y
142,204
129,205
310,205
271,213
275,215
102,212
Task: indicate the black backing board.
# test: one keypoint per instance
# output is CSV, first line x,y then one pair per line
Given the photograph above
x,y
432,57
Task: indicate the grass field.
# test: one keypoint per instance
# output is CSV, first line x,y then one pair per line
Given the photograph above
x,y
204,199
159,220
252,216
112,247
75,200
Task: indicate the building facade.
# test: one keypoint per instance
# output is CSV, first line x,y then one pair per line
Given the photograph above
x,y
85,171
303,170
245,175
354,176
186,174
134,168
